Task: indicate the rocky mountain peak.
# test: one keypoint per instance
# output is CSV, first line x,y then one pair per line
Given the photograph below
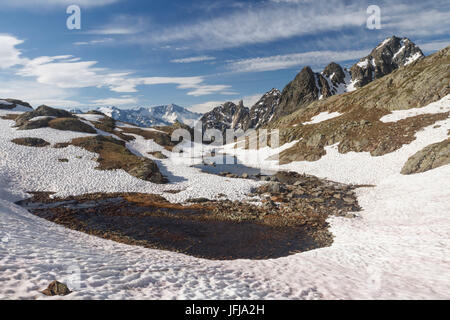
x,y
335,73
302,90
223,117
263,110
232,116
392,53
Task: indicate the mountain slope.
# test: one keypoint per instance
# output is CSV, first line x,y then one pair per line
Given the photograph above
x,y
359,124
309,86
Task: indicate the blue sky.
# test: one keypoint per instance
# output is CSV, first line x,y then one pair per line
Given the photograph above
x,y
193,53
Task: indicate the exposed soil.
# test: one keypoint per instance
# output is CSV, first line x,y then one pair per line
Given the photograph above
x,y
218,230
158,155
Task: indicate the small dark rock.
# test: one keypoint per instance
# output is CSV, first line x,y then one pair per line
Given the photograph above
x,y
56,289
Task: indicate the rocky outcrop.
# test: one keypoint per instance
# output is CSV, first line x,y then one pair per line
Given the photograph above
x,y
56,289
42,111
45,116
240,117
9,104
389,55
433,156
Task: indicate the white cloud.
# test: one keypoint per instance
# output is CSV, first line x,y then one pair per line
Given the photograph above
x,y
121,25
115,30
262,24
93,42
433,46
115,101
418,19
296,59
193,59
205,106
276,20
204,90
68,72
9,54
64,72
36,93
249,101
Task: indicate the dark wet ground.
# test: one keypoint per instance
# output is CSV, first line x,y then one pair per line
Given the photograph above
x,y
151,222
191,230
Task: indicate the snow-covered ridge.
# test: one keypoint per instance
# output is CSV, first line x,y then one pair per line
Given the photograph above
x,y
152,116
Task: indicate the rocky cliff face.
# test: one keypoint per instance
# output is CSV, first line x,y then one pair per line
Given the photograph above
x,y
389,55
301,91
263,110
225,116
232,116
432,156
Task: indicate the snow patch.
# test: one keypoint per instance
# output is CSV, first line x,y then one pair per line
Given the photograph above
x,y
323,116
440,106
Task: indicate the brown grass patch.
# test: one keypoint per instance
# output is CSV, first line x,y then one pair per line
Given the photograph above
x,y
31,142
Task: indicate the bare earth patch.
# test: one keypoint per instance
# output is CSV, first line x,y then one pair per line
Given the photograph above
x,y
218,230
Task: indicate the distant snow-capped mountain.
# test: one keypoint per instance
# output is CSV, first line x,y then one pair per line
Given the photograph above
x,y
152,116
